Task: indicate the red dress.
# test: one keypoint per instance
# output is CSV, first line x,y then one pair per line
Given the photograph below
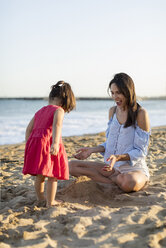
x,y
37,159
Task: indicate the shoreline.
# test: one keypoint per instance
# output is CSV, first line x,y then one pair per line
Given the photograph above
x,y
92,214
162,127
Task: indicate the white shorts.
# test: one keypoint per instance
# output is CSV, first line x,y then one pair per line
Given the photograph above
x,y
128,168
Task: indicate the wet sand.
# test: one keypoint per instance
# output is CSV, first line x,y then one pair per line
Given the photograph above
x,y
92,215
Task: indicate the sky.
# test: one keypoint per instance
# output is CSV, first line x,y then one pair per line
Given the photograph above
x,y
83,42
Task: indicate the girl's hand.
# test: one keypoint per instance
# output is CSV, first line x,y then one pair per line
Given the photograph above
x,y
83,153
54,149
112,160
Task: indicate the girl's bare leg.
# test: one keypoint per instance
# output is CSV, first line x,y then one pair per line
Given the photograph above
x,y
39,187
93,170
51,191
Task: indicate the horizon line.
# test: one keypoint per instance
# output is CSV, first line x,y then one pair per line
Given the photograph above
x,y
83,98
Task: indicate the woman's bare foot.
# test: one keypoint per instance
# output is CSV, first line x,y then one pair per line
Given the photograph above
x,y
113,175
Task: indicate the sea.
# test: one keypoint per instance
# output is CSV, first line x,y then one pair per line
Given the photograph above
x,y
89,117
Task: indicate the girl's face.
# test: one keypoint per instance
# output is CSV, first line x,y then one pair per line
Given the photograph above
x,y
118,97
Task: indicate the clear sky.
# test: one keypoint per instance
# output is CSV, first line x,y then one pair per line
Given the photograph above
x,y
83,42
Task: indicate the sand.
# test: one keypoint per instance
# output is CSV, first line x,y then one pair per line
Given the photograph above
x,y
92,215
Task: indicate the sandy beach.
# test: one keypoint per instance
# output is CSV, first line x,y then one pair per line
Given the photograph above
x,y
92,215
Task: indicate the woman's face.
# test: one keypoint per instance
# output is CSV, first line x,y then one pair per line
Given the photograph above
x,y
118,97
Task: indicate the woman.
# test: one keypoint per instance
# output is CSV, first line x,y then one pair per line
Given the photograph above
x,y
127,142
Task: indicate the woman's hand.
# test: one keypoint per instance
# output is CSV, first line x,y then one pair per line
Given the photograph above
x,y
54,149
83,153
112,160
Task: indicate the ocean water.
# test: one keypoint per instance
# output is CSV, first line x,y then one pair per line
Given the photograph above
x,y
90,116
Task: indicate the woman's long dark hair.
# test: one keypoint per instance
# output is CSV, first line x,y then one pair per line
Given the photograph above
x,y
126,87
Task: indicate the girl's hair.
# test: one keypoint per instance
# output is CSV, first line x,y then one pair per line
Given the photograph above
x,y
126,87
63,91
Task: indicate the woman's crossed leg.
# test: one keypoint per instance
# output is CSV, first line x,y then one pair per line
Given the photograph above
x,y
128,182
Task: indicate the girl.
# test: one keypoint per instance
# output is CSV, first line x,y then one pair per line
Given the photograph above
x,y
45,154
127,142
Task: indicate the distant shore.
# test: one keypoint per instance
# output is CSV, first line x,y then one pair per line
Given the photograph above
x,y
82,98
